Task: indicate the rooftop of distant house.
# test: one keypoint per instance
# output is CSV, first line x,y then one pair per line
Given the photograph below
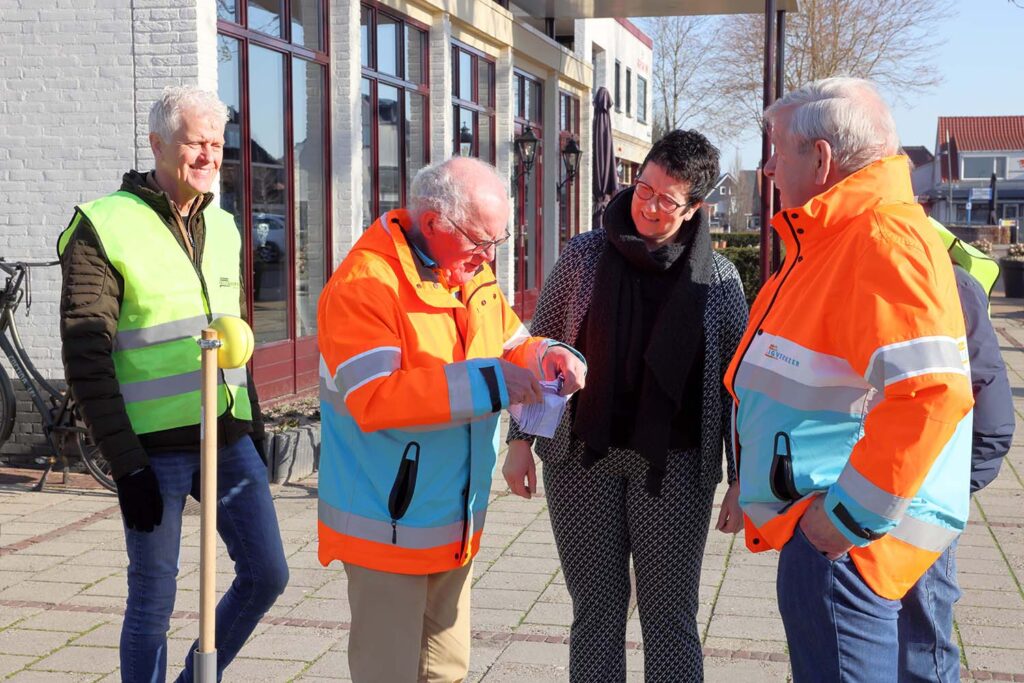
x,y
982,133
919,154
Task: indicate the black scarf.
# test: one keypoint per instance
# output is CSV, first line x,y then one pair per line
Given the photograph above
x,y
662,363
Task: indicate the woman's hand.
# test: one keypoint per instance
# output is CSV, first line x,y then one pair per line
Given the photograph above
x,y
519,470
730,517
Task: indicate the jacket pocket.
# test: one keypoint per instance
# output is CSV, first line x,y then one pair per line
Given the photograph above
x,y
781,475
404,486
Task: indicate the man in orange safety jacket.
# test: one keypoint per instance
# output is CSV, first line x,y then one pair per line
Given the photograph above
x,y
420,352
852,387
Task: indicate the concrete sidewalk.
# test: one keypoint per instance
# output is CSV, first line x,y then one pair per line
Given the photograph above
x,y
62,587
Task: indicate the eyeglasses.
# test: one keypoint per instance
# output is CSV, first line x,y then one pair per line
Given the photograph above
x,y
478,246
644,192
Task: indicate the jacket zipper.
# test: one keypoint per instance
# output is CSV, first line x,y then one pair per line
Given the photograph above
x,y
775,295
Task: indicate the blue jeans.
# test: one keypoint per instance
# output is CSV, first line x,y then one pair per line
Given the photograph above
x,y
247,522
837,627
928,651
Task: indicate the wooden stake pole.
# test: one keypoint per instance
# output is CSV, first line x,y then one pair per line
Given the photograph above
x,y
206,655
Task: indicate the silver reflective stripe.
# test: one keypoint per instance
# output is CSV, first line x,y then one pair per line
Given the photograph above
x,y
380,531
159,334
926,355
331,397
839,399
366,367
870,496
460,392
924,535
762,513
521,335
236,376
165,387
161,388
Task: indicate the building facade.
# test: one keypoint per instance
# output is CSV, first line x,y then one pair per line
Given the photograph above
x,y
333,107
970,150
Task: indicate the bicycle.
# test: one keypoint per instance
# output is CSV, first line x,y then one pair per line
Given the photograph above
x,y
62,425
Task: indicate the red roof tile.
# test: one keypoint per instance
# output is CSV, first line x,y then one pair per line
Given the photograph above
x,y
982,133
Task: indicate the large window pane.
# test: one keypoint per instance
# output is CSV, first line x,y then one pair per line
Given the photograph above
x,y
265,17
368,216
232,179
536,102
486,137
415,40
485,70
269,196
465,76
306,23
387,45
464,132
364,36
310,193
388,159
415,136
227,10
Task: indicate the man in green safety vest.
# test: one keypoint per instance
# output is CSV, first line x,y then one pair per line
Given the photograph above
x,y
145,270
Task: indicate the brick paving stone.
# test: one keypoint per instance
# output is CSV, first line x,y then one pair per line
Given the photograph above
x,y
549,613
526,565
556,592
66,622
263,670
304,646
534,550
993,636
514,672
29,676
77,659
19,641
486,619
321,610
39,590
729,626
11,663
992,659
718,670
744,645
513,581
332,665
990,616
545,654
497,598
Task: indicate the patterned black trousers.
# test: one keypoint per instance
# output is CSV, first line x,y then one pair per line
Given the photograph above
x,y
602,516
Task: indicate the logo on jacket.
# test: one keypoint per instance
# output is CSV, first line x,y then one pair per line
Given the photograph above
x,y
229,282
773,352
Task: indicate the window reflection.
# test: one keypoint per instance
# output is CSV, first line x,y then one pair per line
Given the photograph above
x,y
465,76
310,193
265,16
387,45
306,23
368,216
232,180
227,10
364,36
269,196
387,148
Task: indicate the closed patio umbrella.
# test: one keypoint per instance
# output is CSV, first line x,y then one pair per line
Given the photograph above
x,y
605,181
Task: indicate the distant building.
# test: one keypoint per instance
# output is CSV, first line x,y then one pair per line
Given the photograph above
x,y
921,175
722,203
969,149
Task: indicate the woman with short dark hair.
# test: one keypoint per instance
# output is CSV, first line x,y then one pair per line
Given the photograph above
x,y
632,468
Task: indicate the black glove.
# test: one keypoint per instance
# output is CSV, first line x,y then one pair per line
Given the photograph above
x,y
139,496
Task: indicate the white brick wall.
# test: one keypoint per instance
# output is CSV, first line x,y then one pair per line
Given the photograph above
x,y
346,125
76,81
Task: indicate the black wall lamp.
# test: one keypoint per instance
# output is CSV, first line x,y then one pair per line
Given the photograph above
x,y
526,151
570,161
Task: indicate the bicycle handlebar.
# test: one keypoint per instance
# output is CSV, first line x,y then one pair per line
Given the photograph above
x,y
11,267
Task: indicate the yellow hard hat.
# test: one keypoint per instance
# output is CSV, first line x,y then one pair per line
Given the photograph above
x,y
236,341
981,266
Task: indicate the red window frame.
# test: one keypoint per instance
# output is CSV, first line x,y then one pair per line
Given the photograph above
x,y
288,366
483,112
569,128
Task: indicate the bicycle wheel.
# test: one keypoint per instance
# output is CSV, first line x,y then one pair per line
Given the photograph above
x,y
8,407
98,467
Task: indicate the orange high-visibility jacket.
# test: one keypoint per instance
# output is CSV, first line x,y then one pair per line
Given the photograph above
x,y
410,394
852,381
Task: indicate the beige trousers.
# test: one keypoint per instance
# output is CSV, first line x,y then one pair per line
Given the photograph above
x,y
408,628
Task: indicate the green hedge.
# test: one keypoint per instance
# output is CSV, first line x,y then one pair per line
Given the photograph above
x,y
738,239
748,262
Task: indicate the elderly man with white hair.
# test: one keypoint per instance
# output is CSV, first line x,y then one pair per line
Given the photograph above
x,y
145,269
852,387
420,352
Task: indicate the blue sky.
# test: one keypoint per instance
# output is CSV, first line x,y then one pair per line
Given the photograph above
x,y
982,62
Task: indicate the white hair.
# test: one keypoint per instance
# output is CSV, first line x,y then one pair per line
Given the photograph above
x,y
848,113
165,114
436,188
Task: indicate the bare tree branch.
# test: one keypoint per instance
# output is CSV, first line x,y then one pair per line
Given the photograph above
x,y
891,42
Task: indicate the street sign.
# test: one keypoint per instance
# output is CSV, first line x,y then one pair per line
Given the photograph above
x,y
981,193
968,207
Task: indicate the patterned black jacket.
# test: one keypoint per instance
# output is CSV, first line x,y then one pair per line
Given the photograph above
x,y
562,308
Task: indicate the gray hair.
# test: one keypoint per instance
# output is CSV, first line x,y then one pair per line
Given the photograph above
x,y
436,188
165,114
848,113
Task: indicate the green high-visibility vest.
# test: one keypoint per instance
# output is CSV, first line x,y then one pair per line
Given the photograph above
x,y
167,301
981,266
